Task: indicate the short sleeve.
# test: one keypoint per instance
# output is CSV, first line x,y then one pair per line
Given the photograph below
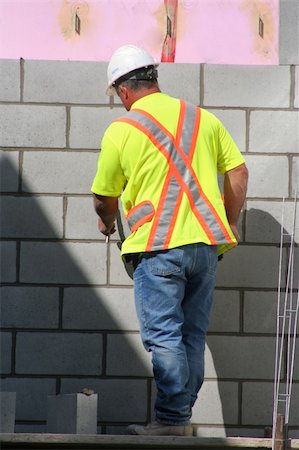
x,y
109,180
229,156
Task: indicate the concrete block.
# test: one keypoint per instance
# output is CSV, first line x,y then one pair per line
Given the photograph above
x,y
239,357
63,262
239,267
235,123
65,82
9,171
89,124
264,219
82,222
225,312
6,352
31,217
289,32
296,99
59,353
10,89
7,412
260,309
245,432
72,414
119,400
126,356
31,394
181,81
119,272
246,86
295,176
81,219
29,428
217,403
208,431
32,126
29,307
104,309
257,404
116,430
8,260
42,172
274,131
261,183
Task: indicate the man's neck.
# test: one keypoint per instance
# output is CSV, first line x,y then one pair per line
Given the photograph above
x,y
137,95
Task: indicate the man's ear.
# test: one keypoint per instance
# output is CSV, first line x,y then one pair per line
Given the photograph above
x,y
124,90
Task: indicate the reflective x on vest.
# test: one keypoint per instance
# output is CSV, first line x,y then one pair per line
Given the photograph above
x,y
181,178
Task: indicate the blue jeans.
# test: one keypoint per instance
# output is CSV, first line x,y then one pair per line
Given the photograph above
x,y
174,295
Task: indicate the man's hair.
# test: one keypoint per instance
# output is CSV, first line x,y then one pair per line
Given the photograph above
x,y
143,78
137,85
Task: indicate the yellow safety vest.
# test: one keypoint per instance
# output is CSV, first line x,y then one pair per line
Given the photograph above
x,y
180,179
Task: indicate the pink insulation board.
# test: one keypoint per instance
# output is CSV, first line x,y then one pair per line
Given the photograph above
x,y
195,31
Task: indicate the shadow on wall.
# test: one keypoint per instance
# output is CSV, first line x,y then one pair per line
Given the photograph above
x,y
241,341
65,328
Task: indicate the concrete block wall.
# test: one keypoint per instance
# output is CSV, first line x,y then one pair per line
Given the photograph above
x,y
67,309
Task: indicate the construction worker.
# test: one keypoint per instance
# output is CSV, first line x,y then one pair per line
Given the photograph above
x,y
162,158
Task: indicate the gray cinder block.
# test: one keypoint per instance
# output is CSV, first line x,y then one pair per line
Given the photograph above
x,y
7,412
72,414
32,126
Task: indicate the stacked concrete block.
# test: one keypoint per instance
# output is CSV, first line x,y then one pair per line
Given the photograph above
x,y
289,32
7,412
55,353
67,303
10,90
72,414
252,87
9,171
32,126
61,82
129,394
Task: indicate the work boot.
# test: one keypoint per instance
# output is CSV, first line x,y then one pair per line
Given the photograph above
x,y
161,429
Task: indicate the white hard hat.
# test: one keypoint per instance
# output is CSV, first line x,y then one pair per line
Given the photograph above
x,y
124,60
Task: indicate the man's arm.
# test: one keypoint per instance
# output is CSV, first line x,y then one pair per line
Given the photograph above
x,y
235,188
106,208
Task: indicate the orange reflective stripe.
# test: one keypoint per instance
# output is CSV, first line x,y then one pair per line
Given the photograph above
x,y
140,214
186,161
181,178
190,157
156,122
178,136
178,176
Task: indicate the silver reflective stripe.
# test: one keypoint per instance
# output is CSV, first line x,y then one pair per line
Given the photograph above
x,y
184,173
166,216
145,209
188,128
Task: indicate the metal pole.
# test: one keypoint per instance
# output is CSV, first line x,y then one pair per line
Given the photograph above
x,y
286,328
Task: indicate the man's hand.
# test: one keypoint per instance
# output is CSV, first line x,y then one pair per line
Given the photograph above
x,y
106,208
104,229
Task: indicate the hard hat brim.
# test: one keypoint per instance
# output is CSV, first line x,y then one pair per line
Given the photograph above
x,y
111,91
